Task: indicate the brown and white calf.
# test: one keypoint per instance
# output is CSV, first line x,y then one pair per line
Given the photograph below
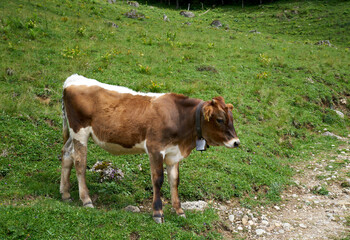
x,y
122,121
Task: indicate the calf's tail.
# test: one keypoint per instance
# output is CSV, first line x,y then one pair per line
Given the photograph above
x,y
64,124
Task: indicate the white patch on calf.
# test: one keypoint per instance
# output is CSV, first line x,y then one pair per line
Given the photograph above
x,y
172,155
82,135
77,80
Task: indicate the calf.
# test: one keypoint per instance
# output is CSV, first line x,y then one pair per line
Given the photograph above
x,y
165,126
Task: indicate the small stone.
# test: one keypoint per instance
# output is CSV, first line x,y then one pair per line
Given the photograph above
x,y
133,209
254,31
165,18
281,231
343,101
245,220
240,228
277,208
9,71
340,114
231,218
302,225
270,228
277,224
329,134
195,205
250,222
286,226
259,231
264,222
112,24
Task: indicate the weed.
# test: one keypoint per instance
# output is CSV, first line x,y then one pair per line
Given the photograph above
x,y
264,60
71,52
81,31
144,69
155,87
262,75
320,190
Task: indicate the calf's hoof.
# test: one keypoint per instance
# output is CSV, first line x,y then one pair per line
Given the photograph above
x,y
158,219
67,199
88,205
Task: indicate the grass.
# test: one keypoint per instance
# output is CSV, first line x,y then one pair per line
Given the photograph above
x,y
283,86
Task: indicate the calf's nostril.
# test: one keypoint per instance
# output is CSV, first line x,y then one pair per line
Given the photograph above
x,y
236,144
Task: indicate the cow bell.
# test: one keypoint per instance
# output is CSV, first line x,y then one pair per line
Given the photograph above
x,y
201,144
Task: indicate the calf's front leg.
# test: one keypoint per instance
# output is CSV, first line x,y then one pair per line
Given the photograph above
x,y
157,173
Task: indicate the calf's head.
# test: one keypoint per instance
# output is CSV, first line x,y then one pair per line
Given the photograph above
x,y
217,123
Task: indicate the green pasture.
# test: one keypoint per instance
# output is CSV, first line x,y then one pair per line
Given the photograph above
x,y
264,60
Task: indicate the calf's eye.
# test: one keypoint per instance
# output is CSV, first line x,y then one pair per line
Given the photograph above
x,y
220,120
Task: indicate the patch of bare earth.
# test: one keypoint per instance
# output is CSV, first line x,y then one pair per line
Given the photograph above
x,y
315,208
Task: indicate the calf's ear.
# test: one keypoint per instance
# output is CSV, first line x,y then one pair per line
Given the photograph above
x,y
229,106
208,111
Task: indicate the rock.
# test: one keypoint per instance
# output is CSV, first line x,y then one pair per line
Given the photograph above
x,y
111,1
343,101
324,42
245,220
133,209
294,195
281,231
216,23
207,68
259,231
302,225
254,31
112,24
239,228
133,3
195,205
9,71
231,218
165,18
329,134
340,114
134,14
250,222
187,14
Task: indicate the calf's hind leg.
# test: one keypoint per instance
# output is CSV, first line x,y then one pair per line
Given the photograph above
x,y
79,156
67,163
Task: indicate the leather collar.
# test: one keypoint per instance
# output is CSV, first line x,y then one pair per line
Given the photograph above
x,y
198,120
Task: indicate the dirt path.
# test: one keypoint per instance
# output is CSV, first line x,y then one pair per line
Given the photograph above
x,y
315,208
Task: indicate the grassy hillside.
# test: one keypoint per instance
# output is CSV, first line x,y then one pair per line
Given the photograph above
x,y
263,60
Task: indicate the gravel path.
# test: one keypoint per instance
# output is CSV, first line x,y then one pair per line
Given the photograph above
x,y
315,208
